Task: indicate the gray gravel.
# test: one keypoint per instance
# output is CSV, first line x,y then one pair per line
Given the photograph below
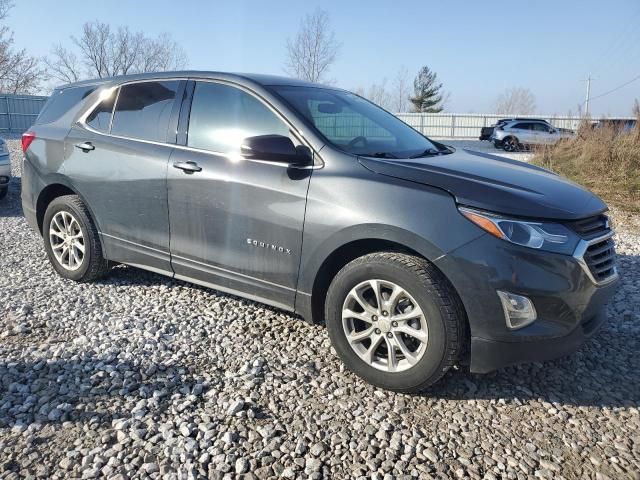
x,y
142,376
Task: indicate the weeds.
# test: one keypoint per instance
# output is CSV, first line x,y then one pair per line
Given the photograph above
x,y
604,160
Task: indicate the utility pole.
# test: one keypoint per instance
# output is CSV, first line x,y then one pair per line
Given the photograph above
x,y
586,102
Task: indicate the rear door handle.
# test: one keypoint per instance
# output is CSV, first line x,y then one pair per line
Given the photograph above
x,y
188,167
85,146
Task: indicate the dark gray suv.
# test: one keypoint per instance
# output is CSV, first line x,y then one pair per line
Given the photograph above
x,y
314,200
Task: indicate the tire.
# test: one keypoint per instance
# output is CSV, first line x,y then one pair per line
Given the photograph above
x,y
3,192
510,144
423,285
86,266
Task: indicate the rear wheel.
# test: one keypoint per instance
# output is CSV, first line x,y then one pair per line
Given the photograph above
x,y
3,192
71,240
394,320
510,144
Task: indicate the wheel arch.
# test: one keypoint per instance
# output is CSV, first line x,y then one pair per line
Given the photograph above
x,y
54,190
311,305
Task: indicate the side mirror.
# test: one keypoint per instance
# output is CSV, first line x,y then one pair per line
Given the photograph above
x,y
275,148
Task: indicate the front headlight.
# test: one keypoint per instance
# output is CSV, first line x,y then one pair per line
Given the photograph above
x,y
551,237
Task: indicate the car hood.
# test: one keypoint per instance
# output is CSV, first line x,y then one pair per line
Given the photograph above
x,y
493,183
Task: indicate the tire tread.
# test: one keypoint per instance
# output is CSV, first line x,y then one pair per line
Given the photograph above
x,y
449,303
98,265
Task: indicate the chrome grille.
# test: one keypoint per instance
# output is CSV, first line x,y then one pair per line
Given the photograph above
x,y
600,257
596,251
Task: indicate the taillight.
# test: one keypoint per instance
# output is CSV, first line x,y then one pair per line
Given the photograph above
x,y
27,138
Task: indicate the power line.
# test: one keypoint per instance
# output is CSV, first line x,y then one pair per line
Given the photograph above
x,y
611,53
616,89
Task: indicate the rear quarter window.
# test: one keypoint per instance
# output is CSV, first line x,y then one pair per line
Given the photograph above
x,y
61,101
100,118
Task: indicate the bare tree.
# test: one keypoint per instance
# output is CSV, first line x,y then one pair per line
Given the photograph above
x,y
63,64
393,97
515,101
19,72
314,49
401,89
377,93
104,52
161,54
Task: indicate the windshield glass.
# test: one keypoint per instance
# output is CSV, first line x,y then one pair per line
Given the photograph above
x,y
356,125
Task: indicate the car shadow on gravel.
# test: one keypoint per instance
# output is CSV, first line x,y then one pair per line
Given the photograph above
x,y
11,205
87,389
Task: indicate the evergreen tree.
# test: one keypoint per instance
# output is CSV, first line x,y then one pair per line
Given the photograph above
x,y
427,96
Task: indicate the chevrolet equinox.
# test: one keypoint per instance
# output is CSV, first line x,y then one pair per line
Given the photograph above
x,y
415,255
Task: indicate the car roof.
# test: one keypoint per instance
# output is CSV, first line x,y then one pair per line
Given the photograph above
x,y
256,78
522,119
527,120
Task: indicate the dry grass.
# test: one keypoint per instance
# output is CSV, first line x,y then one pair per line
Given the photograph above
x,y
603,160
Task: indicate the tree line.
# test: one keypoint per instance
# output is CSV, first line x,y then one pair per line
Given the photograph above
x,y
102,50
99,51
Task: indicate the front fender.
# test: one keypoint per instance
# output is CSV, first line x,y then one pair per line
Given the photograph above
x,y
362,205
364,232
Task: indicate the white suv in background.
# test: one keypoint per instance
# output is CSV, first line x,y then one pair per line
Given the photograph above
x,y
521,133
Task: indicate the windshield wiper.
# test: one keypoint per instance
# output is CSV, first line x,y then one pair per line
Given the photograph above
x,y
379,155
429,152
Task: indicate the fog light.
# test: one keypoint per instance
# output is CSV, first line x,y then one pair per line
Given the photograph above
x,y
518,310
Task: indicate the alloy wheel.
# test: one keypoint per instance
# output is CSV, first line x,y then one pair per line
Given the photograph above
x,y
510,145
384,325
67,241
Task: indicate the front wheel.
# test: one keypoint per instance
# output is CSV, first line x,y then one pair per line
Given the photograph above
x,y
72,241
395,321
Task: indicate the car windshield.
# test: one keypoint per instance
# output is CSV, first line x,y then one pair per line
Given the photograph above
x,y
357,126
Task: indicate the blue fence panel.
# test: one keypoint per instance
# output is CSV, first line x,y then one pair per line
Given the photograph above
x,y
18,112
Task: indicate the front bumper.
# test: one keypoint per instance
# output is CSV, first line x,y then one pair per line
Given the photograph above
x,y
570,305
488,355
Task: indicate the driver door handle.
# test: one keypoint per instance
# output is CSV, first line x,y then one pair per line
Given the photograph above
x,y
85,146
188,167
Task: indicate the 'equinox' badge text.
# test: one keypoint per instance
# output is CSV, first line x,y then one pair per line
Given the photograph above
x,y
270,246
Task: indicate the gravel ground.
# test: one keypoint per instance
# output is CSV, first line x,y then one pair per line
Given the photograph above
x,y
142,376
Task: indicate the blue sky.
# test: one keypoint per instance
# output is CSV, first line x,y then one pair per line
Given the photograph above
x,y
477,48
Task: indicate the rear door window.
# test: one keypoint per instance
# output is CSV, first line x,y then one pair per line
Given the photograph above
x,y
540,127
61,101
522,126
143,110
222,116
